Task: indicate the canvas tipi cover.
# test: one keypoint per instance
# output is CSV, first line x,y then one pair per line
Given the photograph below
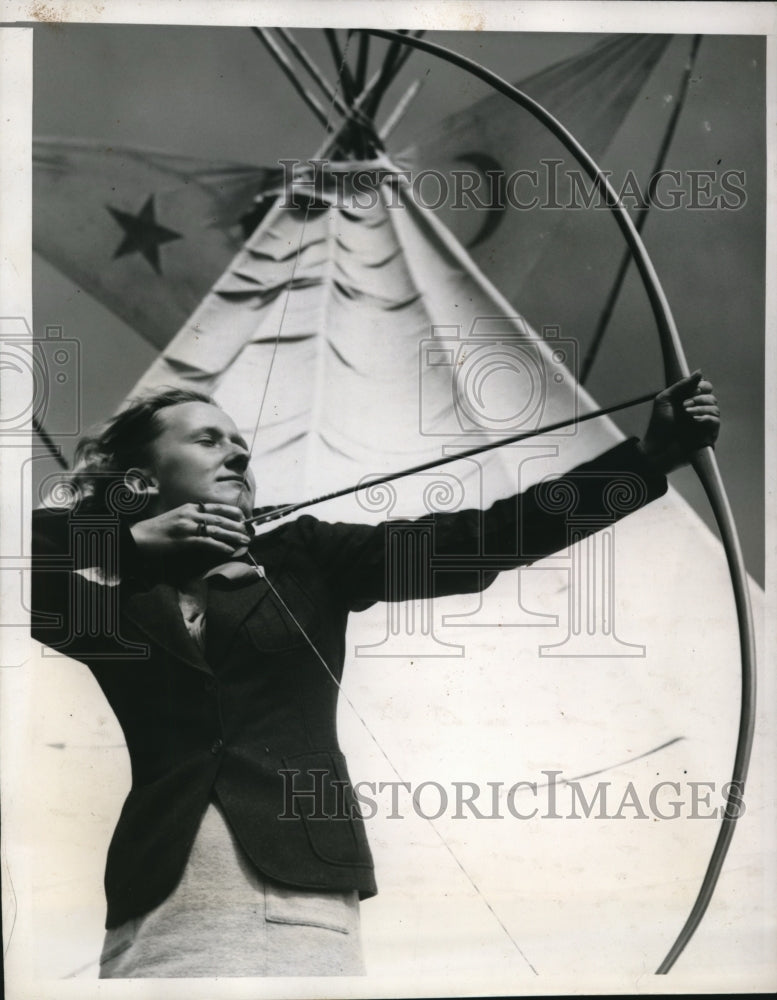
x,y
351,337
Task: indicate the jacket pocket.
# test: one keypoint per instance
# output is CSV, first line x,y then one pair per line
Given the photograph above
x,y
323,799
334,911
287,619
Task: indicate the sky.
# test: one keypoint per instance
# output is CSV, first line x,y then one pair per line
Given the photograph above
x,y
215,93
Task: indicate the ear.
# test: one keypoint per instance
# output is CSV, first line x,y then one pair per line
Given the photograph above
x,y
141,481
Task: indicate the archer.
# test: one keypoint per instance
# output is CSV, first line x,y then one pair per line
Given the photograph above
x,y
240,645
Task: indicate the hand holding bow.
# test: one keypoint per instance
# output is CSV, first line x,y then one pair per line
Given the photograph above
x,y
685,418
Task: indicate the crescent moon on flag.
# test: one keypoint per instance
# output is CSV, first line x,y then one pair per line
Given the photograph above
x,y
487,164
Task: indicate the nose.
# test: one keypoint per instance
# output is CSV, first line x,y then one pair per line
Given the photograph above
x,y
238,459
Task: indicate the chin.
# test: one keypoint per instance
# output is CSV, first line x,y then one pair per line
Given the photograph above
x,y
246,504
238,496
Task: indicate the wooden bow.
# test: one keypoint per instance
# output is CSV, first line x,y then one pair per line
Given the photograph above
x,y
705,464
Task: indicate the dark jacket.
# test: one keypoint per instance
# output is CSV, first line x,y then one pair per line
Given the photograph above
x,y
262,700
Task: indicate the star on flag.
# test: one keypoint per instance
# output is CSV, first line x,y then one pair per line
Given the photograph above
x,y
142,233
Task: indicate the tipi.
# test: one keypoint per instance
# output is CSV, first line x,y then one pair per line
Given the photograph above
x,y
352,334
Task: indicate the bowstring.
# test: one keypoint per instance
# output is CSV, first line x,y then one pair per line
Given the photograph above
x,y
262,574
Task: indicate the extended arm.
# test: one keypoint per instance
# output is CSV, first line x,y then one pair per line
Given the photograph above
x,y
465,550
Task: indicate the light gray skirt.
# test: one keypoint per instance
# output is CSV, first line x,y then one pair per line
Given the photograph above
x,y
224,919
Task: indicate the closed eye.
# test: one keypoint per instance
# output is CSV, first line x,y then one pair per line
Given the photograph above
x,y
213,436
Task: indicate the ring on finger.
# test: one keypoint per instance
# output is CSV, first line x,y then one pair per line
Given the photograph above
x,y
202,529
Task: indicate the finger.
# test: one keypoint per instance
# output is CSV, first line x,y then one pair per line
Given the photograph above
x,y
699,401
685,387
204,526
228,535
214,545
216,521
705,399
223,510
210,536
214,524
696,411
706,433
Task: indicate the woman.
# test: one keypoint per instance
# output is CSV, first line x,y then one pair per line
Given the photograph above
x,y
221,655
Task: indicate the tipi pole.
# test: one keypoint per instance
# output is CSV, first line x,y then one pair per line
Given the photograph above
x,y
326,87
342,67
367,99
384,80
355,114
658,166
280,58
399,111
392,69
53,449
361,63
405,54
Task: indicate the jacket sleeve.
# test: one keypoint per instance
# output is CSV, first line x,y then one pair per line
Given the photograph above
x,y
464,551
77,563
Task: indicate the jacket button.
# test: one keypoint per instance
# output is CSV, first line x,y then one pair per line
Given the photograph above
x,y
217,746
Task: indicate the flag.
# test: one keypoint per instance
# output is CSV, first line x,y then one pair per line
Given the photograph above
x,y
145,233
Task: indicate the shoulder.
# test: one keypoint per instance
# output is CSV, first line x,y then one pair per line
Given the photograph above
x,y
50,531
309,529
327,544
75,540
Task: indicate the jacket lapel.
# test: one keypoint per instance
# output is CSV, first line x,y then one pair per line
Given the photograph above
x,y
228,607
156,612
153,607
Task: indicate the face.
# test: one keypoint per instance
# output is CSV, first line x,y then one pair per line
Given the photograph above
x,y
200,457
